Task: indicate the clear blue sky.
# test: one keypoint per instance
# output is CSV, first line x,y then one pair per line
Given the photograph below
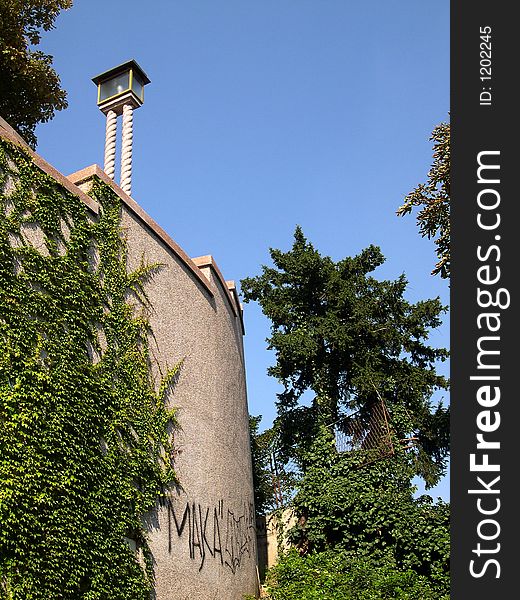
x,y
262,115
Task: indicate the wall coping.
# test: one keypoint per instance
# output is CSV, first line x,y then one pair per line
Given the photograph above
x,y
229,288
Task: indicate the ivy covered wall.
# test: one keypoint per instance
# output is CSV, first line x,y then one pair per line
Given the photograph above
x,y
85,432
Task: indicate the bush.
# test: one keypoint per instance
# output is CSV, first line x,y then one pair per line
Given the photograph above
x,y
372,512
338,576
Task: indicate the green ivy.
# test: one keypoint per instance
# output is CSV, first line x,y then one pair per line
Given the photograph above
x,y
371,512
85,435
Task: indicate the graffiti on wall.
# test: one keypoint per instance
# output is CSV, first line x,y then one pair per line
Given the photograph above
x,y
213,532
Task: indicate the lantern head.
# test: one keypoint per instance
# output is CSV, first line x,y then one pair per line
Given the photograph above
x,y
121,85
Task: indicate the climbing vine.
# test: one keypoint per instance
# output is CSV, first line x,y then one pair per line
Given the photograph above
x,y
85,432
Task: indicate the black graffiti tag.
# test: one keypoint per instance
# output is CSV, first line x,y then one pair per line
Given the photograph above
x,y
204,534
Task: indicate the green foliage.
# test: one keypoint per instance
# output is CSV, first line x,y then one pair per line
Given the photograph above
x,y
339,576
355,342
273,484
352,340
371,512
30,89
85,439
262,477
433,199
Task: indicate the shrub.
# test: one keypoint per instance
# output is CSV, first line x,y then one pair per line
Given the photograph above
x,y
338,576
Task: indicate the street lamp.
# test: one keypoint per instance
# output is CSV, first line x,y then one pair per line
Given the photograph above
x,y
120,90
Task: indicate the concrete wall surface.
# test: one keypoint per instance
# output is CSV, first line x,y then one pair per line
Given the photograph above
x,y
204,537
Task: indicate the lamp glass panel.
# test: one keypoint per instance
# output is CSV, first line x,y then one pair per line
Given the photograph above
x,y
114,86
137,88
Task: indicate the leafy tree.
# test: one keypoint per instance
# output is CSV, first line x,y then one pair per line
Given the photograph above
x,y
262,477
30,89
353,341
433,199
371,512
361,534
273,483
